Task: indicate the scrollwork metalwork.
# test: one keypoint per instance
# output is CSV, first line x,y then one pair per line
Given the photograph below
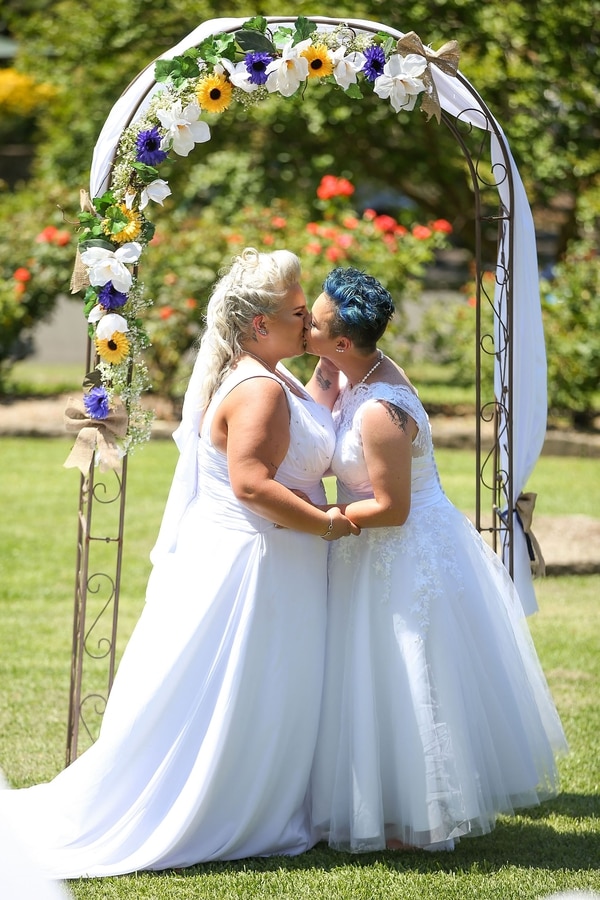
x,y
95,641
102,640
100,487
99,705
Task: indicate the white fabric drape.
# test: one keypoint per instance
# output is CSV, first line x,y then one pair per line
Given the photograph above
x,y
458,98
527,403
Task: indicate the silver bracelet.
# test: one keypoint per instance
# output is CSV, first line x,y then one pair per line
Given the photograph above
x,y
330,527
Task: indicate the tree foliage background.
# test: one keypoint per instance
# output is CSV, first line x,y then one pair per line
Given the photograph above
x,y
536,64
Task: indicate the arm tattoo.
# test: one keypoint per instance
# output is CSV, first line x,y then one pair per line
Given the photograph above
x,y
398,416
323,382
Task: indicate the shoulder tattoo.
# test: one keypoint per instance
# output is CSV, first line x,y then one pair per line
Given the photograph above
x,y
398,416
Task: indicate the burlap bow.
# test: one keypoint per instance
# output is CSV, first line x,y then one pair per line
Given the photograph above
x,y
524,507
79,278
446,59
94,435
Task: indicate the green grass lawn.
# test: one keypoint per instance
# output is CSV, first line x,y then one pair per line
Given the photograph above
x,y
554,847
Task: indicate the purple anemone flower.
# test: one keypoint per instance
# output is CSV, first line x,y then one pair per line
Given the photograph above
x,y
148,149
96,403
374,62
256,64
110,298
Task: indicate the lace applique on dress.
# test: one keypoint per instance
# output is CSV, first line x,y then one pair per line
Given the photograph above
x,y
426,535
350,402
427,540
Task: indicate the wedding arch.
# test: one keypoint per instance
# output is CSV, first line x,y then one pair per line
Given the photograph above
x,y
159,114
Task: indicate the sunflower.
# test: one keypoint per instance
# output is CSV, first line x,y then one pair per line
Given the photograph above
x,y
114,349
130,224
214,93
319,61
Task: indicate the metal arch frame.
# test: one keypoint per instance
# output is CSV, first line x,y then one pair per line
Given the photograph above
x,y
88,582
499,410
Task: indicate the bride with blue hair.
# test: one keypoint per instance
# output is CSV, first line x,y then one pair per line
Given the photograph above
x,y
436,715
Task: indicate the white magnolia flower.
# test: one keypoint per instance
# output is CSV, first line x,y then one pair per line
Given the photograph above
x,y
96,313
157,190
400,80
109,265
345,68
110,323
287,73
183,128
239,75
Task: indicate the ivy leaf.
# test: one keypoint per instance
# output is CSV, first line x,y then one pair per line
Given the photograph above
x,y
185,67
147,232
117,218
104,202
257,23
389,46
89,302
254,42
303,30
282,35
87,219
94,229
178,69
95,242
145,172
354,91
214,48
92,379
163,69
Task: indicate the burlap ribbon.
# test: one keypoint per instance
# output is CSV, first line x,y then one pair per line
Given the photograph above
x,y
524,508
446,59
94,435
79,278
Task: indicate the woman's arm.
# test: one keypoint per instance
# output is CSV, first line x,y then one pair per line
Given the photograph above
x,y
324,385
387,436
256,417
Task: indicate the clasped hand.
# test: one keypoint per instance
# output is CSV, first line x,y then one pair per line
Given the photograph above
x,y
340,525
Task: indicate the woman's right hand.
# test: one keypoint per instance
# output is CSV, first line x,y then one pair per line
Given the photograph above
x,y
339,525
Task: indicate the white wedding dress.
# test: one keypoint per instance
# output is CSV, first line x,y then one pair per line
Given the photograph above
x,y
208,737
436,714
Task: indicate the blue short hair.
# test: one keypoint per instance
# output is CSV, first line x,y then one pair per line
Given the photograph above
x,y
363,307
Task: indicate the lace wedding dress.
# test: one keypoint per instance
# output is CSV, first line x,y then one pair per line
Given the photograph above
x,y
436,715
208,738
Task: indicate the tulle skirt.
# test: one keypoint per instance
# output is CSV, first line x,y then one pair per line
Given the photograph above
x,y
436,714
208,738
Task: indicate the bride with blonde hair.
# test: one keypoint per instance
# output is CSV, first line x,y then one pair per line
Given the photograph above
x,y
208,737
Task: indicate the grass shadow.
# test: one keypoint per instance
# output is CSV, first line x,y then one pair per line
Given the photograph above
x,y
522,842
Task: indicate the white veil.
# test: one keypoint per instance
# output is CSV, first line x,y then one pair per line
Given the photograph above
x,y
185,480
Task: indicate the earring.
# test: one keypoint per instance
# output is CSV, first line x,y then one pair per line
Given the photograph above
x,y
339,349
262,330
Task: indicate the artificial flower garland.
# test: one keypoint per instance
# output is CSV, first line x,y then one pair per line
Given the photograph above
x,y
245,66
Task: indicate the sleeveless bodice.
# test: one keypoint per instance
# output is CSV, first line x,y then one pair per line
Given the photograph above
x,y
348,463
312,440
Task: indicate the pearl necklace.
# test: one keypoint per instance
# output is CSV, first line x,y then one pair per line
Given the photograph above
x,y
261,361
371,370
